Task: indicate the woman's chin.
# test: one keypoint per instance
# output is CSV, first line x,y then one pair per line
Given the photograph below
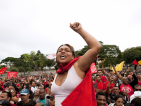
x,y
63,62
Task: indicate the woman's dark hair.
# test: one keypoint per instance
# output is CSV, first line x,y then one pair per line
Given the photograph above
x,y
136,102
117,97
71,48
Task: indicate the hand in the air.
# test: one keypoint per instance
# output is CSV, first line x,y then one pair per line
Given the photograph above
x,y
76,26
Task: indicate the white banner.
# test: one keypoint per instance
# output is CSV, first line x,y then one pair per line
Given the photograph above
x,y
51,56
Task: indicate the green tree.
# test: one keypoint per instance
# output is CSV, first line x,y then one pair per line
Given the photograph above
x,y
30,58
82,51
132,53
111,54
9,60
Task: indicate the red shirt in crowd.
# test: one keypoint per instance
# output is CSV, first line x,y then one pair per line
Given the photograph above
x,y
126,88
106,83
103,79
100,85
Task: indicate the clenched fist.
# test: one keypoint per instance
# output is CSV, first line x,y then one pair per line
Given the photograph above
x,y
76,26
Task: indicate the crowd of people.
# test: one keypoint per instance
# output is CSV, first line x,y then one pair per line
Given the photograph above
x,y
27,91
117,88
111,89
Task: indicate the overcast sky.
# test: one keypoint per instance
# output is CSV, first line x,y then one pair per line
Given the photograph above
x,y
31,25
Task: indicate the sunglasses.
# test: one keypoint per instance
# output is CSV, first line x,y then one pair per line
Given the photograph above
x,y
137,89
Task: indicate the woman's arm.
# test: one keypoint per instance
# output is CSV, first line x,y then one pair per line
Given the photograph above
x,y
87,59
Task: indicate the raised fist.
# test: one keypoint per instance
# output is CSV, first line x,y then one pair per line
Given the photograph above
x,y
76,26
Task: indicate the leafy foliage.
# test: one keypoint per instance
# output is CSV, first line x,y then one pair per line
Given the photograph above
x,y
35,60
132,53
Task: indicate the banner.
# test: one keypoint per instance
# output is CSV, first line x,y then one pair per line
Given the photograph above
x,y
139,62
135,62
93,68
51,56
3,70
12,74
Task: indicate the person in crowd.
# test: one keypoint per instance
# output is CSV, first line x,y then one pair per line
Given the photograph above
x,y
33,88
37,85
25,98
46,89
72,71
126,89
18,88
41,86
136,102
101,99
5,95
113,92
112,83
36,96
110,72
139,77
129,74
103,78
13,93
137,92
118,101
42,97
109,76
4,102
100,84
49,93
39,104
52,100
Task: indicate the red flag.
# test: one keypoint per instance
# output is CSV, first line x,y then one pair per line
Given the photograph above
x,y
3,70
135,62
93,68
12,74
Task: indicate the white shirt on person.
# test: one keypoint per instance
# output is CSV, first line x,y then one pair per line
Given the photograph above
x,y
33,89
71,82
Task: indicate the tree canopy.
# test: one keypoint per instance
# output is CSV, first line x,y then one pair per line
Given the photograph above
x,y
110,53
132,53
